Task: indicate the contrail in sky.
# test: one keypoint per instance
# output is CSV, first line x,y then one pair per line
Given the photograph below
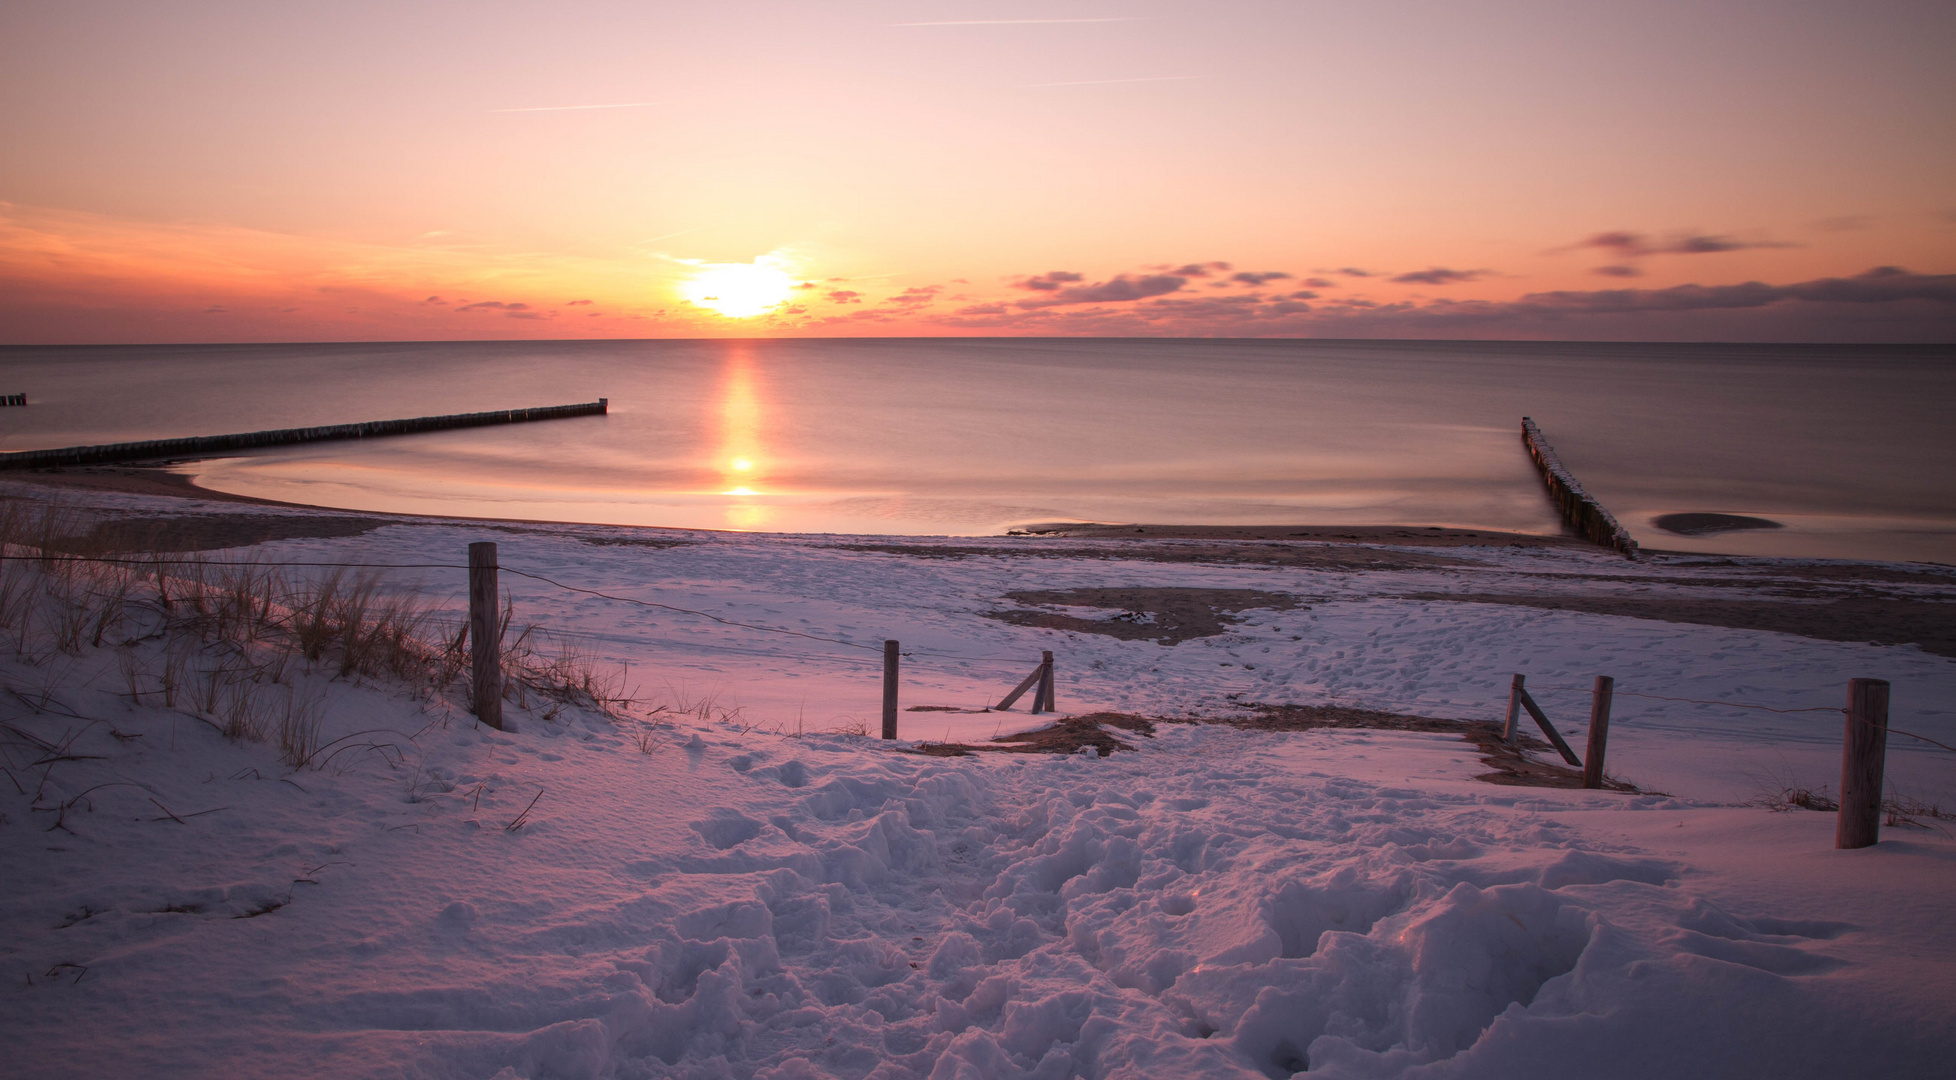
x,y
1105,82
567,108
1007,22
670,235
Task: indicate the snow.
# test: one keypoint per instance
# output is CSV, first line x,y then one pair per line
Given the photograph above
x,y
749,889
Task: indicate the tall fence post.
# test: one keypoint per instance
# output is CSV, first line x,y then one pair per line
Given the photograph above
x,y
485,637
889,689
1863,754
1515,692
1599,731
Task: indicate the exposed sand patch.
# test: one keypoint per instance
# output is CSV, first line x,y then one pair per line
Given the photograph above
x,y
1166,616
1067,735
1509,765
1878,620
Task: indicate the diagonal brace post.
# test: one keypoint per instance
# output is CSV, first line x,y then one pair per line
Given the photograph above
x,y
1548,729
1019,690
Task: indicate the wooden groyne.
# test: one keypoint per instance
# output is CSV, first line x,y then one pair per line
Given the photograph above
x,y
206,445
1579,508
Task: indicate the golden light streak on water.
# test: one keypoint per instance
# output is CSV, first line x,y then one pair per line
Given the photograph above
x,y
741,457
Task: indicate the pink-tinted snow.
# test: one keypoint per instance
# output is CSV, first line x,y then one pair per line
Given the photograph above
x,y
752,894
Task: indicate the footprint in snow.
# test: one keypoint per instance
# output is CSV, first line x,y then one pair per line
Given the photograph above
x,y
727,828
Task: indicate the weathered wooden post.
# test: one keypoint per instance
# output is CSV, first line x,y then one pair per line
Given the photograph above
x,y
1554,737
1515,692
1599,731
485,637
1042,698
1863,754
1025,684
889,689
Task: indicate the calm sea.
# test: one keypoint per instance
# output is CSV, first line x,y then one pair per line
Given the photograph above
x,y
1852,448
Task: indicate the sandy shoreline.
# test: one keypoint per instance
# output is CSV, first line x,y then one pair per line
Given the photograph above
x,y
151,480
1828,600
1396,535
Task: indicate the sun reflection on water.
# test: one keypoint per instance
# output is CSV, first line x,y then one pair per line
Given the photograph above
x,y
740,458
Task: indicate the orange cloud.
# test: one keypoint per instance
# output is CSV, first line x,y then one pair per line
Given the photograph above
x,y
73,277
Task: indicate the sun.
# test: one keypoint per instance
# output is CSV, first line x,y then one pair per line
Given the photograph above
x,y
739,290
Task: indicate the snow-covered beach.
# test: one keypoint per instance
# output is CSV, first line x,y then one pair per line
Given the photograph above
x,y
728,878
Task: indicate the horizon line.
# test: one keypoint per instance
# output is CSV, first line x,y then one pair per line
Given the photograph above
x,y
1802,342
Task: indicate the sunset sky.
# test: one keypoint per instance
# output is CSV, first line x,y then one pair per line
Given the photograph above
x,y
260,171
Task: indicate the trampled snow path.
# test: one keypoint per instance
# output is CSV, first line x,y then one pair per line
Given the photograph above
x,y
1220,903
740,902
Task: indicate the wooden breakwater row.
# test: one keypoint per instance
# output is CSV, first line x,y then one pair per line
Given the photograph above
x,y
1579,508
206,445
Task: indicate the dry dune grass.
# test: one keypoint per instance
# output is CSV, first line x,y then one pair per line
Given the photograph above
x,y
223,639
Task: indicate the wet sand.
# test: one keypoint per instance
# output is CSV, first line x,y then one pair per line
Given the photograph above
x,y
1234,540
1403,535
136,480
